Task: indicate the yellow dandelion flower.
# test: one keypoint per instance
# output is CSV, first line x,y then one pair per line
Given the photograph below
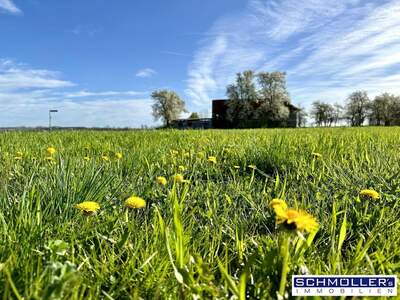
x,y
370,194
316,155
181,168
293,219
212,159
88,207
161,180
252,167
278,202
51,151
87,158
105,158
178,178
118,155
135,202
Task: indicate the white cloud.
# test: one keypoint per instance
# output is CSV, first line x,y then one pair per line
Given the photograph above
x,y
26,95
9,6
327,48
87,29
28,110
85,94
145,73
15,76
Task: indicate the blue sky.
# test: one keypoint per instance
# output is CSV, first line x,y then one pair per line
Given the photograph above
x,y
97,61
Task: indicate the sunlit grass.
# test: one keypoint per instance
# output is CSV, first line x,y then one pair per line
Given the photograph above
x,y
203,227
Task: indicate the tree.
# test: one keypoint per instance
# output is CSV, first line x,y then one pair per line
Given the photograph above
x,y
264,102
323,113
194,115
242,95
273,96
385,110
167,106
357,108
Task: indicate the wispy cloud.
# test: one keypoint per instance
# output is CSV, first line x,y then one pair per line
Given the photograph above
x,y
327,48
146,73
10,7
15,76
175,53
26,94
88,94
87,29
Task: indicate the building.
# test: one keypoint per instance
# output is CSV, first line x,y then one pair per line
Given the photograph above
x,y
219,118
200,123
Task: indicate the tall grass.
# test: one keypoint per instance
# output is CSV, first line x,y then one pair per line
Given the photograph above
x,y
214,237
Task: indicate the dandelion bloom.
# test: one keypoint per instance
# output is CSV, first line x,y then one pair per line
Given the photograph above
x,y
178,178
252,167
105,158
212,159
161,180
135,202
88,207
118,155
87,158
291,218
181,168
51,151
278,203
370,194
316,155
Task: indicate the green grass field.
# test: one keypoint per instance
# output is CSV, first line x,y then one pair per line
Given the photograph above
x,y
214,236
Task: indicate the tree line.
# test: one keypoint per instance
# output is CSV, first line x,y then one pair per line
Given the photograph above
x,y
262,100
254,100
383,110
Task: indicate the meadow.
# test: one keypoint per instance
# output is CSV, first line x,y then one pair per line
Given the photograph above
x,y
209,233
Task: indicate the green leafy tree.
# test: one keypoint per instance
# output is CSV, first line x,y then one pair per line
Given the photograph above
x,y
261,97
273,96
321,113
242,95
357,108
167,106
385,110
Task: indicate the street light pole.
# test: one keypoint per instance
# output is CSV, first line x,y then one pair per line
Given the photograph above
x,y
51,111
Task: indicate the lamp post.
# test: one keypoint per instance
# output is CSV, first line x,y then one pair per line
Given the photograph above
x,y
51,111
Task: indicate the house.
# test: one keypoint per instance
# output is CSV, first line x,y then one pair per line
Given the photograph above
x,y
219,118
200,123
220,108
